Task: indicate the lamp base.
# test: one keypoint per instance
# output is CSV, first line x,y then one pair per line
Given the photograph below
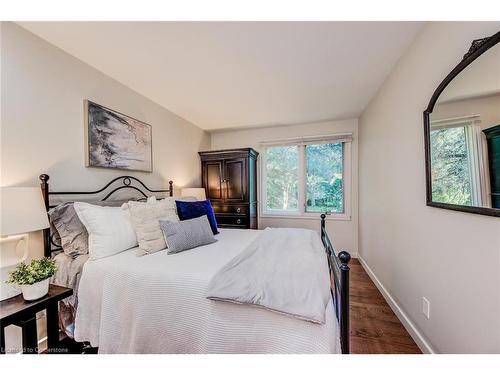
x,y
7,290
9,260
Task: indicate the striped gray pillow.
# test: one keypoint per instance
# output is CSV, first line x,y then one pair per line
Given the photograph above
x,y
187,234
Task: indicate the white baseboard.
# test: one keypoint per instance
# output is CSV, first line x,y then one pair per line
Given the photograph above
x,y
417,336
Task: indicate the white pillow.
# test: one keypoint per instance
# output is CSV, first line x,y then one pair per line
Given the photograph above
x,y
146,218
110,229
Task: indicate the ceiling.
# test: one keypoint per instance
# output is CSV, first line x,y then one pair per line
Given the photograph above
x,y
236,74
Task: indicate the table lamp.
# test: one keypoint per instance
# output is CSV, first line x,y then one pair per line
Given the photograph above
x,y
22,210
198,193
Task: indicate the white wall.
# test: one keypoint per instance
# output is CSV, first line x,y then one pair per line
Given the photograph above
x,y
43,89
344,233
488,107
452,258
42,93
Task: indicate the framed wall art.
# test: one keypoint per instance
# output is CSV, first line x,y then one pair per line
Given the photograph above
x,y
117,141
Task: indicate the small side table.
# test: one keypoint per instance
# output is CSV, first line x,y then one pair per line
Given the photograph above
x,y
22,313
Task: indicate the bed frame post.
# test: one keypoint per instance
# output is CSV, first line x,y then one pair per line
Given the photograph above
x,y
323,224
339,275
44,186
344,258
171,188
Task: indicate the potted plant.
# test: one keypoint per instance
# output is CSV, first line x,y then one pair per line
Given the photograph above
x,y
33,278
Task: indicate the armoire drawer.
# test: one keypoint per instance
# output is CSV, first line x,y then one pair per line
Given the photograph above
x,y
229,220
230,209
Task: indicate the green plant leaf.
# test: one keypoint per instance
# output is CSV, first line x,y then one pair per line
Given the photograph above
x,y
37,270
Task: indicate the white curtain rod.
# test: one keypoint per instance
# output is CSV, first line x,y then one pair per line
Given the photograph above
x,y
470,117
346,137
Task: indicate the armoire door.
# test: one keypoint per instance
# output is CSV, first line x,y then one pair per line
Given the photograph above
x,y
235,180
213,179
494,162
493,141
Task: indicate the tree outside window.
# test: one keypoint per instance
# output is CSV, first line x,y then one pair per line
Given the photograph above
x,y
282,166
324,178
307,178
451,177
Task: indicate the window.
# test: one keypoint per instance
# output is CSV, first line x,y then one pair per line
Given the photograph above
x,y
282,170
455,159
324,178
307,178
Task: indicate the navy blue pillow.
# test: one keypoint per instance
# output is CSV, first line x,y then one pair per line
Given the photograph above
x,y
191,210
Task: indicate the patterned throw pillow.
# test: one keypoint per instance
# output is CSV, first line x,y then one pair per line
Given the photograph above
x,y
191,210
145,217
187,234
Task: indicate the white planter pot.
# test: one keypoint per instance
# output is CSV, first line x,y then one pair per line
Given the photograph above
x,y
36,290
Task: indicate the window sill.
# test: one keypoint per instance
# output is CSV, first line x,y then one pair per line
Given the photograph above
x,y
338,217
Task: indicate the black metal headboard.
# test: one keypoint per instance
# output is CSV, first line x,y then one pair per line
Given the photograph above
x,y
117,184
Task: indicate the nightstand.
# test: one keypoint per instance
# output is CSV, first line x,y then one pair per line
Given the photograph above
x,y
22,313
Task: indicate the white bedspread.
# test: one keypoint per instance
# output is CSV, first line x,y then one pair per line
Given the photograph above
x,y
157,304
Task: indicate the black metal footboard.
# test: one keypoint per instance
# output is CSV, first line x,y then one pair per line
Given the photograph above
x,y
338,265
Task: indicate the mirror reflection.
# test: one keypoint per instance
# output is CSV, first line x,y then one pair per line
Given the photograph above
x,y
465,136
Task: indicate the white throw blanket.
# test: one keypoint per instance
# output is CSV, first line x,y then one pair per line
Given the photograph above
x,y
283,270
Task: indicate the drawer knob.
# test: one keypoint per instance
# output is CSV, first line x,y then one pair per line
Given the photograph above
x,y
238,221
238,209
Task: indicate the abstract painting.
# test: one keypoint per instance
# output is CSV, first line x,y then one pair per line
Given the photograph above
x,y
115,140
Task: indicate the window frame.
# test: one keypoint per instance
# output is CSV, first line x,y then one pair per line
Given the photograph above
x,y
301,212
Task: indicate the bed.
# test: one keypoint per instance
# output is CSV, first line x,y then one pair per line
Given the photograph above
x,y
157,303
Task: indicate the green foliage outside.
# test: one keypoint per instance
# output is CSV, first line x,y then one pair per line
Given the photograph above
x,y
37,270
324,163
450,168
282,164
324,173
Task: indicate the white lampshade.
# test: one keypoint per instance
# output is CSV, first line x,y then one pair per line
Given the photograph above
x,y
198,193
22,210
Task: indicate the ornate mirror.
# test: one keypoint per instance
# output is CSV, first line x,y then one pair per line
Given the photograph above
x,y
462,134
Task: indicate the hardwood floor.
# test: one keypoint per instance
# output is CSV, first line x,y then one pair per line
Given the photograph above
x,y
375,329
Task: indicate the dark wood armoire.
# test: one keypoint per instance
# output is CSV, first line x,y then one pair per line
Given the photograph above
x,y
493,140
230,181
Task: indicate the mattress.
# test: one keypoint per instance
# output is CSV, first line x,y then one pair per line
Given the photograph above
x,y
157,304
